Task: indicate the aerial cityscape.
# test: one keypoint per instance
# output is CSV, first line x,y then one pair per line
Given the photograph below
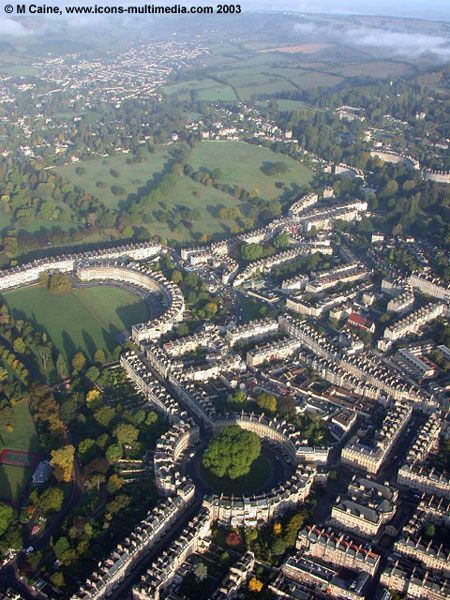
x,y
224,304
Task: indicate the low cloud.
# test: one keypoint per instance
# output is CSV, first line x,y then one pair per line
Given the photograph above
x,y
11,28
397,43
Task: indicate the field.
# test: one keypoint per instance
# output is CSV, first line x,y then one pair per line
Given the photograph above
x,y
260,474
300,48
239,162
375,69
23,437
130,177
246,80
290,105
241,165
84,319
272,70
206,199
205,89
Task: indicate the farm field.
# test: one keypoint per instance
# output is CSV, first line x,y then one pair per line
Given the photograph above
x,y
84,319
130,177
23,437
305,79
298,49
270,79
377,69
241,165
244,73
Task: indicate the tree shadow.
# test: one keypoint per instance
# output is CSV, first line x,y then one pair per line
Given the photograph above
x,y
89,343
69,347
148,186
213,209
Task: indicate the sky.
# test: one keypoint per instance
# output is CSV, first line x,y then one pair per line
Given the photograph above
x,y
419,9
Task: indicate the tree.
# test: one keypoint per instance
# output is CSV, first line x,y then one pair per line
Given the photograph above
x,y
57,579
272,169
211,308
113,453
61,367
51,499
19,345
87,448
93,398
255,585
93,373
252,251
279,546
430,530
238,397
114,483
177,276
286,405
267,402
126,434
151,418
6,517
281,242
293,526
60,546
59,283
119,502
79,361
99,356
251,534
62,462
201,571
105,415
277,528
232,452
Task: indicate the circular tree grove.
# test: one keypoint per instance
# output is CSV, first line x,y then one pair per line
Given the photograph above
x,y
231,452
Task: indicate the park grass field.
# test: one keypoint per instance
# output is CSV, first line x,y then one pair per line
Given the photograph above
x,y
290,105
260,474
18,69
84,319
13,480
207,199
131,176
241,165
206,89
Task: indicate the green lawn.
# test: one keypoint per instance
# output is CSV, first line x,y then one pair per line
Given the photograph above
x,y
84,319
23,437
131,176
376,69
241,165
288,105
208,202
259,477
13,481
206,89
